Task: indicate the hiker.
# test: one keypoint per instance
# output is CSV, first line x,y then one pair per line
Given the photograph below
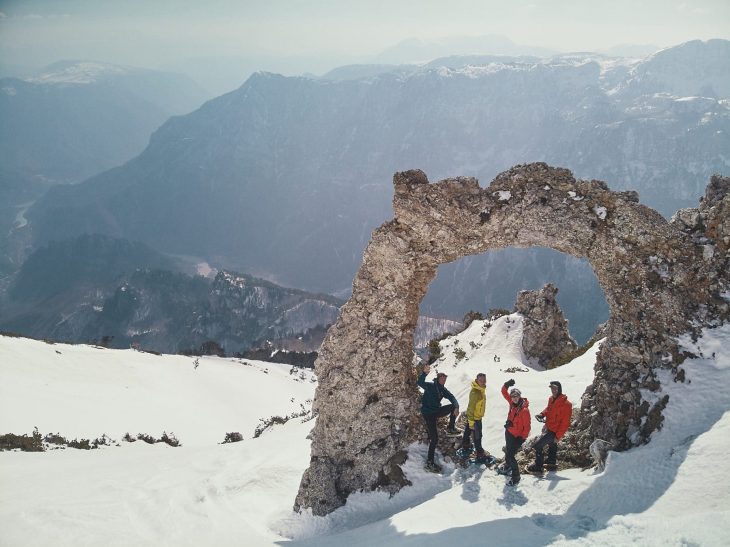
x,y
516,428
432,410
556,417
474,415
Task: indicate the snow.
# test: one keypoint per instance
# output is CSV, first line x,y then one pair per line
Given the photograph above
x,y
574,196
503,195
600,211
84,72
206,493
86,391
204,269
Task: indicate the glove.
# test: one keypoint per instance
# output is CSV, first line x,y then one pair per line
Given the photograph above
x,y
508,424
540,417
509,383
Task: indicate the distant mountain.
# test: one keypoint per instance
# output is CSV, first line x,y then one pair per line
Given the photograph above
x,y
97,288
70,121
429,328
415,50
631,50
84,262
356,72
77,119
285,178
693,69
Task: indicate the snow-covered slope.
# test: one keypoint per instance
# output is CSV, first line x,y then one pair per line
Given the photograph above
x,y
83,391
205,493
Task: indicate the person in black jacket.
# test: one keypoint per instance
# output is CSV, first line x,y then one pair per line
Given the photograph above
x,y
432,410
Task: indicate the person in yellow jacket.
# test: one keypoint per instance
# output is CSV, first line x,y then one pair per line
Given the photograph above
x,y
474,415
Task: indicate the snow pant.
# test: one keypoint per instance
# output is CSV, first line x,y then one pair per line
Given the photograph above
x,y
433,435
548,439
477,433
511,445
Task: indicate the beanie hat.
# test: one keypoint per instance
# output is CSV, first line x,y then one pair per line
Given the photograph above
x,y
557,385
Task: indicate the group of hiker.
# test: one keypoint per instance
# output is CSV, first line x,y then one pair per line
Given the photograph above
x,y
555,417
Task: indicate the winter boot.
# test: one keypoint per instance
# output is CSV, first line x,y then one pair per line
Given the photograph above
x,y
433,467
514,481
534,469
484,458
452,431
504,469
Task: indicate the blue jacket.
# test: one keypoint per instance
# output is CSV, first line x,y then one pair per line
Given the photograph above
x,y
433,392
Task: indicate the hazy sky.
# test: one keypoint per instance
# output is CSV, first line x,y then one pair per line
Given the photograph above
x,y
157,32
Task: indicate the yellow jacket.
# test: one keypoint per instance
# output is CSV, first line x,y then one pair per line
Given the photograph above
x,y
477,403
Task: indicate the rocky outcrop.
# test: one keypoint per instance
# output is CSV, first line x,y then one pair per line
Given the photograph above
x,y
709,225
660,282
545,335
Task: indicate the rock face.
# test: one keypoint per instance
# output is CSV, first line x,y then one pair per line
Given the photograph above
x,y
660,282
545,334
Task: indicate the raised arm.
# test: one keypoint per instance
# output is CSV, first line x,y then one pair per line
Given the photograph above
x,y
509,383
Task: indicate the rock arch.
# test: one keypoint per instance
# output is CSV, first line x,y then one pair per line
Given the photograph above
x,y
654,276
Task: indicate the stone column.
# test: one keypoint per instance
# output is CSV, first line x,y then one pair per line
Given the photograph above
x,y
366,399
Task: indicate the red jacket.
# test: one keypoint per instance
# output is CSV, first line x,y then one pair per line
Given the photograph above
x,y
518,415
558,413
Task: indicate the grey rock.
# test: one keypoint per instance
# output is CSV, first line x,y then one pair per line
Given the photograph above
x,y
367,400
545,333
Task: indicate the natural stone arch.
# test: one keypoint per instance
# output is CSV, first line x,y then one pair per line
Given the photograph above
x,y
654,277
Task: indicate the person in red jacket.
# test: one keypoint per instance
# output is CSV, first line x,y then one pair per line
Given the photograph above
x,y
516,428
556,416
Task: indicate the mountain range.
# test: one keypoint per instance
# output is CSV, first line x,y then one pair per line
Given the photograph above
x,y
72,120
285,177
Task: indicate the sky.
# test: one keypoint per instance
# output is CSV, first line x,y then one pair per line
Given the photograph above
x,y
162,32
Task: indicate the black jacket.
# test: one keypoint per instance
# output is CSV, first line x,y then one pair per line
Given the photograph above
x,y
433,392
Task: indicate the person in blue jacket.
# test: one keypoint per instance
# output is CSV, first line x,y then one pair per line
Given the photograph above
x,y
432,410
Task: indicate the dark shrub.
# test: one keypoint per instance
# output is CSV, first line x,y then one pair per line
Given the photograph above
x,y
234,437
169,439
470,317
34,443
496,313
